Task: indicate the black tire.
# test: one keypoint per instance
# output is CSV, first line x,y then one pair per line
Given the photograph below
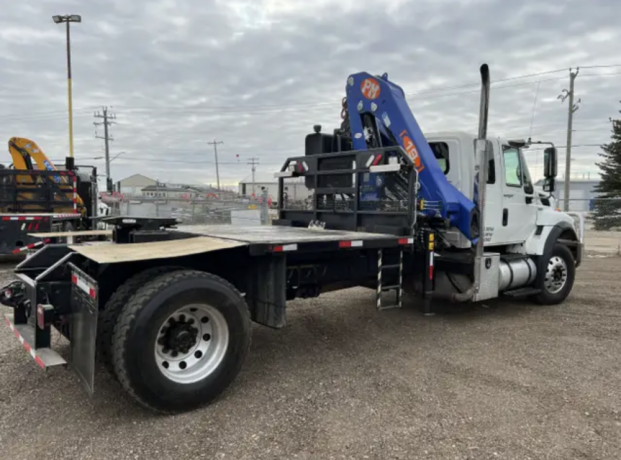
x,y
136,332
108,316
548,297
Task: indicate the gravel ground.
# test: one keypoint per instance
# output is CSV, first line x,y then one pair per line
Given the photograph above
x,y
505,380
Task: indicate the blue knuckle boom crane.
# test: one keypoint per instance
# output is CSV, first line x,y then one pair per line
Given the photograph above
x,y
379,116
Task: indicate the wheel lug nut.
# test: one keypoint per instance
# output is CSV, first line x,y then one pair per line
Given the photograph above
x,y
166,350
175,354
182,318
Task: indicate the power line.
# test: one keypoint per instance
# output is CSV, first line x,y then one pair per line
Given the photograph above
x,y
424,94
602,66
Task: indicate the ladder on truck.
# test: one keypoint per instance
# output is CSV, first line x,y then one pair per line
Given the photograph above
x,y
389,277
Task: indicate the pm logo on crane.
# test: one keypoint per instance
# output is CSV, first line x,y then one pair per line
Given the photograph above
x,y
370,88
410,149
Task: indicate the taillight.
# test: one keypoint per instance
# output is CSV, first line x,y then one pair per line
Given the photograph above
x,y
45,314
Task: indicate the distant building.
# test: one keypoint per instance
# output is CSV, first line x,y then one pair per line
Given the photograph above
x,y
581,193
133,185
165,191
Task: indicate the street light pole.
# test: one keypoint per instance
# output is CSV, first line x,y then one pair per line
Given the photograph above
x,y
67,19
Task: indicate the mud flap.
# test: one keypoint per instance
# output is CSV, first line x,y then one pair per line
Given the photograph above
x,y
83,326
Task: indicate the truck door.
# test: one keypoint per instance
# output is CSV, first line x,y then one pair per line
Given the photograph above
x,y
519,211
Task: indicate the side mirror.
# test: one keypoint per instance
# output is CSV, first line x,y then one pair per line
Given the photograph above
x,y
549,162
549,185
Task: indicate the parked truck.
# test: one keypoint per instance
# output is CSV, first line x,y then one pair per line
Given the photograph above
x,y
42,199
168,313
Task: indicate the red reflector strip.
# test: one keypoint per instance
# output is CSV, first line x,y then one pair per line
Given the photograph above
x,y
28,348
285,248
350,244
40,317
84,285
22,217
377,159
406,240
31,246
431,265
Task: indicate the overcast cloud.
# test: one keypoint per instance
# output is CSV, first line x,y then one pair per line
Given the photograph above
x,y
258,74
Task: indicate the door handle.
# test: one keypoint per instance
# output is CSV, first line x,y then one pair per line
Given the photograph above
x,y
505,217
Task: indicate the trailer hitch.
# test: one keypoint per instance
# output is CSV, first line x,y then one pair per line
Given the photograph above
x,y
12,294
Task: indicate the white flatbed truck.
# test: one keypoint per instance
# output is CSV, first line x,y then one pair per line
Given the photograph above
x,y
169,312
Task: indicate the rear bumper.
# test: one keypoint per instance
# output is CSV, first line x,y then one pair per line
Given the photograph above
x,y
25,333
46,298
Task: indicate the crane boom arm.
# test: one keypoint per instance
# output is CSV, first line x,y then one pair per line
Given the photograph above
x,y
375,100
24,151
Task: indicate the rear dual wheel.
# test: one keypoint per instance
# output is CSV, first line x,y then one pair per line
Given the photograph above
x,y
180,340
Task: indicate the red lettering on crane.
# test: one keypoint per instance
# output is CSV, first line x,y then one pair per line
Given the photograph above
x,y
410,149
370,88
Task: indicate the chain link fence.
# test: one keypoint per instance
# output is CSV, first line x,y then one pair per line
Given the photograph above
x,y
602,224
229,210
601,216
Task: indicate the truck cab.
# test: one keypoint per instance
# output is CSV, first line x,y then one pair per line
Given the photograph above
x,y
514,210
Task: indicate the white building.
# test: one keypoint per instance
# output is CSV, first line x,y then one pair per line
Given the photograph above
x,y
133,185
581,193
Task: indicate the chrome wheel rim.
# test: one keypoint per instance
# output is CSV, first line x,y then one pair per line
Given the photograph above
x,y
556,275
191,343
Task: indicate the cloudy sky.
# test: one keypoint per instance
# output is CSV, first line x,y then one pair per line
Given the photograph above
x,y
257,74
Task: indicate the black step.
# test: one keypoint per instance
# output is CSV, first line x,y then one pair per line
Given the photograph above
x,y
384,267
390,287
522,292
389,307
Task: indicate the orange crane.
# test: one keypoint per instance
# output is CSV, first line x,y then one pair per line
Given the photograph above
x,y
24,151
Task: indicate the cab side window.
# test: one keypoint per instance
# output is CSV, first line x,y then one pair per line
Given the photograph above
x,y
441,152
513,170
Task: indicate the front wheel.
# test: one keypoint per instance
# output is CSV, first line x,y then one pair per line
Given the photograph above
x,y
180,340
556,280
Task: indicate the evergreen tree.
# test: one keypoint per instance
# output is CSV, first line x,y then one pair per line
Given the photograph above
x,y
607,207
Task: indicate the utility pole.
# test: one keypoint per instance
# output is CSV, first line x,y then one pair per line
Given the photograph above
x,y
570,120
253,162
215,151
106,137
